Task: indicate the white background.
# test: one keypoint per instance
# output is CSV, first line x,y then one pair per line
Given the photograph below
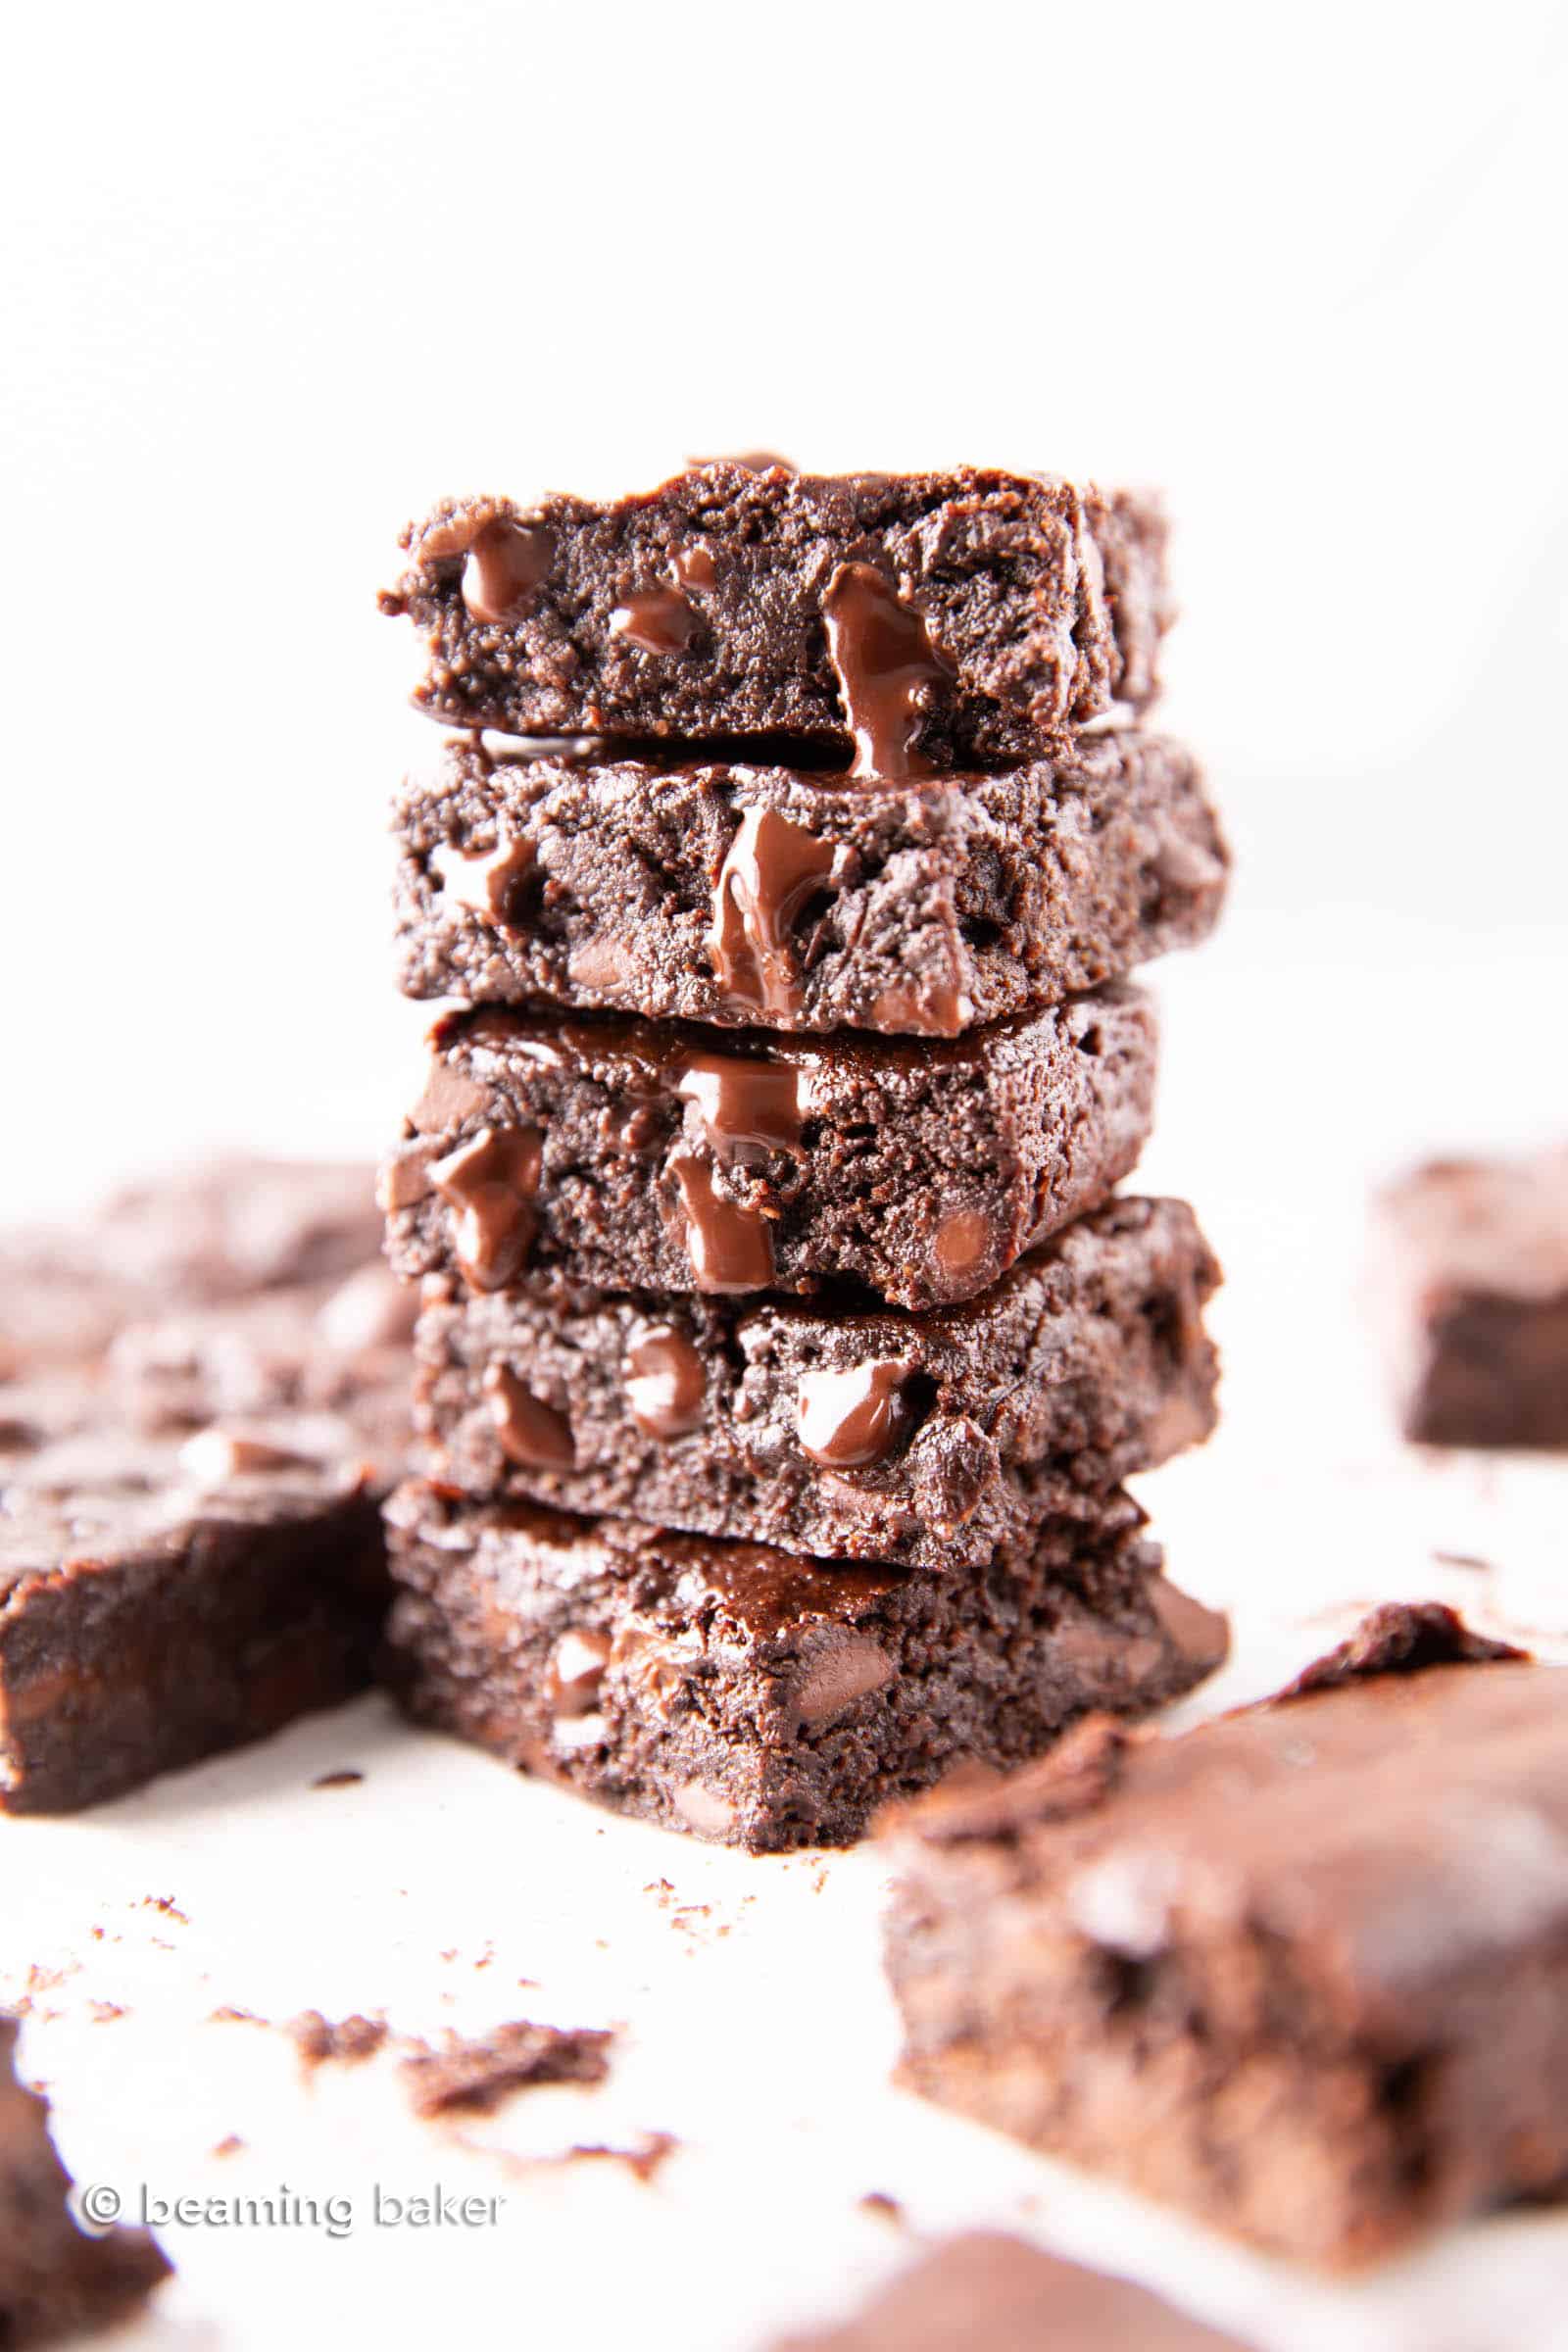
x,y
274,281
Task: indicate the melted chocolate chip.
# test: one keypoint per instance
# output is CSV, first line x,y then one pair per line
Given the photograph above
x,y
487,883
666,1383
662,620
745,1106
850,1418
215,1456
845,1671
886,667
965,1239
576,1669
731,1248
750,461
770,870
505,561
532,1433
937,1011
694,565
489,1184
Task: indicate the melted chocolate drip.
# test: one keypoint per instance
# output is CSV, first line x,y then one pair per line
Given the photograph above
x,y
532,1433
487,883
731,1248
886,667
576,1669
770,870
662,620
505,560
745,1106
849,1419
489,1184
666,1383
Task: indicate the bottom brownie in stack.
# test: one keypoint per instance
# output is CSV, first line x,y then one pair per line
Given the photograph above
x,y
760,1698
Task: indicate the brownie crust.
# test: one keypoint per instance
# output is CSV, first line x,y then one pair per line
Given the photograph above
x,y
1302,1971
935,618
924,1440
633,1156
760,1699
741,893
1471,1290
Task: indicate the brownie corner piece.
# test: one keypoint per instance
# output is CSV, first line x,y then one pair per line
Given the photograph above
x,y
1471,1288
56,2282
1300,1971
930,619
758,1699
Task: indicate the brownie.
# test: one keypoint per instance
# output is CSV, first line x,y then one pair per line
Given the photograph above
x,y
758,1699
637,1156
163,1599
926,1439
1302,1971
930,618
733,891
56,2282
221,1230
988,2289
1473,1284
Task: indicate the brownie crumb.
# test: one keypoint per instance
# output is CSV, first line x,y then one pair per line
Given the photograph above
x,y
229,2146
353,2040
1465,1560
167,1904
1400,1637
229,2016
104,2011
643,2160
886,2208
477,2075
337,1780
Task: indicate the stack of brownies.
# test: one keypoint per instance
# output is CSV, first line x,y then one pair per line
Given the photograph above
x,y
781,1347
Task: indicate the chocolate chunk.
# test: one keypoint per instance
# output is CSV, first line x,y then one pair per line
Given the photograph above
x,y
666,1381
490,1184
662,620
771,869
504,563
485,882
888,674
530,1432
854,1416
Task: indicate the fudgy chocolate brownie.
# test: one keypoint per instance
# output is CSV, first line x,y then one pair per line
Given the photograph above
x,y
931,619
162,1599
634,1156
988,2290
758,1699
221,1231
1303,1971
733,891
1473,1287
55,2281
882,1436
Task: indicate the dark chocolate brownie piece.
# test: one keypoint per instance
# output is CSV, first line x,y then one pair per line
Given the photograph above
x,y
476,2074
162,1599
55,2281
758,1699
634,1156
933,618
221,1230
883,1435
988,2291
737,891
1473,1284
1303,1971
